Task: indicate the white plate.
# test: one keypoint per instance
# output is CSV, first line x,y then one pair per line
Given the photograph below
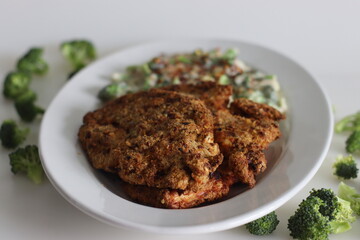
x,y
294,160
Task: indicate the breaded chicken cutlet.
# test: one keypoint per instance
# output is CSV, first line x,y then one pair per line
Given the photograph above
x,y
243,130
168,144
158,138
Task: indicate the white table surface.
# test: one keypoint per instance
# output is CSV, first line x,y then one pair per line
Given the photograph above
x,y
323,36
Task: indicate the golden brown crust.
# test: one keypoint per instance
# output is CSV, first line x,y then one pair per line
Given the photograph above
x,y
176,199
247,108
215,96
242,141
157,138
180,146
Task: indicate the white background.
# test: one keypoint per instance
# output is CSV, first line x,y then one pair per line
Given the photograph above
x,y
323,36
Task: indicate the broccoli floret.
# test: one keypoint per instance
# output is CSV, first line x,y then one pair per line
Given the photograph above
x,y
308,222
26,108
33,62
348,123
345,167
111,92
27,160
351,195
264,225
78,52
11,135
15,84
321,214
353,142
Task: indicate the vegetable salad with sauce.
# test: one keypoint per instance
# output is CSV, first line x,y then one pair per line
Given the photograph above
x,y
214,65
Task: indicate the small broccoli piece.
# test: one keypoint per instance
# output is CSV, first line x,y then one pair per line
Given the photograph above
x,y
27,160
264,225
348,123
78,52
15,84
33,62
321,214
26,108
345,167
11,135
351,195
353,142
111,92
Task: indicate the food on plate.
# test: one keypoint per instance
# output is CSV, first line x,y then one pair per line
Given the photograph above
x,y
214,66
182,145
242,131
215,188
157,138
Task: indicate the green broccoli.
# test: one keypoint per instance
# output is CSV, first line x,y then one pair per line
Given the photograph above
x,y
345,167
111,92
33,62
348,123
351,195
320,214
353,142
264,225
78,52
27,160
11,135
15,84
26,108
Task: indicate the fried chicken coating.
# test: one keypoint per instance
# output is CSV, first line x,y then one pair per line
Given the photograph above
x,y
242,141
215,96
247,108
158,138
214,189
242,131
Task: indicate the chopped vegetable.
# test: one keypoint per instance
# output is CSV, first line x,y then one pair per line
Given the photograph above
x,y
111,92
345,167
216,66
78,52
322,213
351,195
353,142
224,80
27,160
11,135
16,84
33,62
264,225
348,123
26,108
